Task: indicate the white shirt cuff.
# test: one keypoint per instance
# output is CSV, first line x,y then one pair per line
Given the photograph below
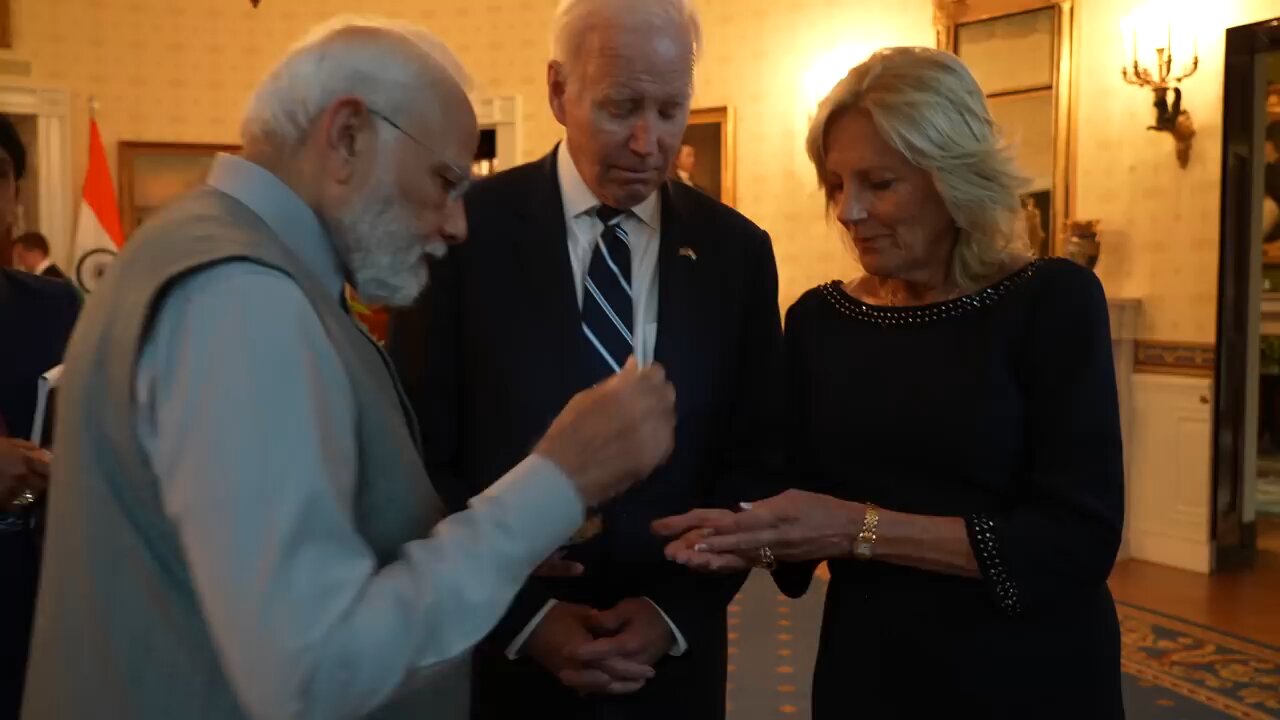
x,y
677,648
513,650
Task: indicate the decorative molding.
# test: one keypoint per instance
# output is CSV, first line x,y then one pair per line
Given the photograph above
x,y
502,113
52,110
1176,358
1172,551
15,67
946,13
494,110
25,100
1124,314
954,12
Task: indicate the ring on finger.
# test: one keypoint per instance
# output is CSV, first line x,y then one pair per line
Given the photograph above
x,y
766,561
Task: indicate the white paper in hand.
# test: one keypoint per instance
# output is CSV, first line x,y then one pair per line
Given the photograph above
x,y
47,383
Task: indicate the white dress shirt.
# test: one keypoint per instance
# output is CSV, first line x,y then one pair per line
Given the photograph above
x,y
644,229
246,415
643,225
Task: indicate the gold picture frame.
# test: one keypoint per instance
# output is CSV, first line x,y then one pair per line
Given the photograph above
x,y
1054,205
711,135
6,24
154,173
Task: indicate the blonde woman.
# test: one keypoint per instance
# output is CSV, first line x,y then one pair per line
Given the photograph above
x,y
955,431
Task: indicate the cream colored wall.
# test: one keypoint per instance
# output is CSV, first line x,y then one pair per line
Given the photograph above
x,y
1160,223
180,71
760,55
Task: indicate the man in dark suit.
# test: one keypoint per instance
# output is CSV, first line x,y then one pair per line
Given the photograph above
x,y
577,262
31,253
36,315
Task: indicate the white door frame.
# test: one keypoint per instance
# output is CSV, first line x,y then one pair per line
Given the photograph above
x,y
52,110
502,113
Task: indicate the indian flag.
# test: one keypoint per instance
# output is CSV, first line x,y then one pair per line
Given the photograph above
x,y
98,236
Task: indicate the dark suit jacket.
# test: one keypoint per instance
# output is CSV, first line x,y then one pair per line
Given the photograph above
x,y
54,272
496,349
36,315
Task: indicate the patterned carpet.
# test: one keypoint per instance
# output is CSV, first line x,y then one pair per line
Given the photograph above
x,y
773,642
1211,674
1173,669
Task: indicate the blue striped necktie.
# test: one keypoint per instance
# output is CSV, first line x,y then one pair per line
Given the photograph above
x,y
606,297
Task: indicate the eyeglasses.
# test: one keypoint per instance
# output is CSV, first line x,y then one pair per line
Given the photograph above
x,y
456,181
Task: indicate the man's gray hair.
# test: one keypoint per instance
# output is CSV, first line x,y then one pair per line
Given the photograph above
x,y
574,19
380,61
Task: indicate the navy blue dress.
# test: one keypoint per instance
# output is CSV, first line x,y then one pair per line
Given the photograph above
x,y
999,407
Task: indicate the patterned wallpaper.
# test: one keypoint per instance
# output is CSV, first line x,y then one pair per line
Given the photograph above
x,y
180,71
164,70
1160,223
760,55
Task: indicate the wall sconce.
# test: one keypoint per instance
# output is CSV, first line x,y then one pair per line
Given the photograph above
x,y
1170,117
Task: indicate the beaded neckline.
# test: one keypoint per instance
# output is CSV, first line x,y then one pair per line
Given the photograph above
x,y
887,315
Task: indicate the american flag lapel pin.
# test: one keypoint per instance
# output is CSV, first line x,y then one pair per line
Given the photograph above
x,y
688,252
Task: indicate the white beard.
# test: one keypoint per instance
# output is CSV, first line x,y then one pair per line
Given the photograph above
x,y
381,247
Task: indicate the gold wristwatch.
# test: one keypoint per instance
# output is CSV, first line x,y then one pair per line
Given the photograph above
x,y
866,540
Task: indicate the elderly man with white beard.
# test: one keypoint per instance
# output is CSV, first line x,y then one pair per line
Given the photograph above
x,y
240,525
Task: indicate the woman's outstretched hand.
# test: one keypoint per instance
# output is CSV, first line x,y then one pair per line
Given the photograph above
x,y
792,527
691,529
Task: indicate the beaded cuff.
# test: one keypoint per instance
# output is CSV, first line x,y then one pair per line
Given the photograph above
x,y
984,538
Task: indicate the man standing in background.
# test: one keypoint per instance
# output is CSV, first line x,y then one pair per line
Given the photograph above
x,y
686,162
31,253
575,263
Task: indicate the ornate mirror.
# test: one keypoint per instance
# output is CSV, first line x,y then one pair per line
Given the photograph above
x,y
1020,53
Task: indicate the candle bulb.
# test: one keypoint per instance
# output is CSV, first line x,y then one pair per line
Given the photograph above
x,y
1135,48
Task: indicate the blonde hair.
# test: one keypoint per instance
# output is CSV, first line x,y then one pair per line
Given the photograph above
x,y
927,105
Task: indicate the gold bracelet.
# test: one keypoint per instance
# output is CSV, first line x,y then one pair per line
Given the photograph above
x,y
866,540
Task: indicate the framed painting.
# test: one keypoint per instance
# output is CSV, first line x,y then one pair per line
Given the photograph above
x,y
6,24
706,156
153,173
